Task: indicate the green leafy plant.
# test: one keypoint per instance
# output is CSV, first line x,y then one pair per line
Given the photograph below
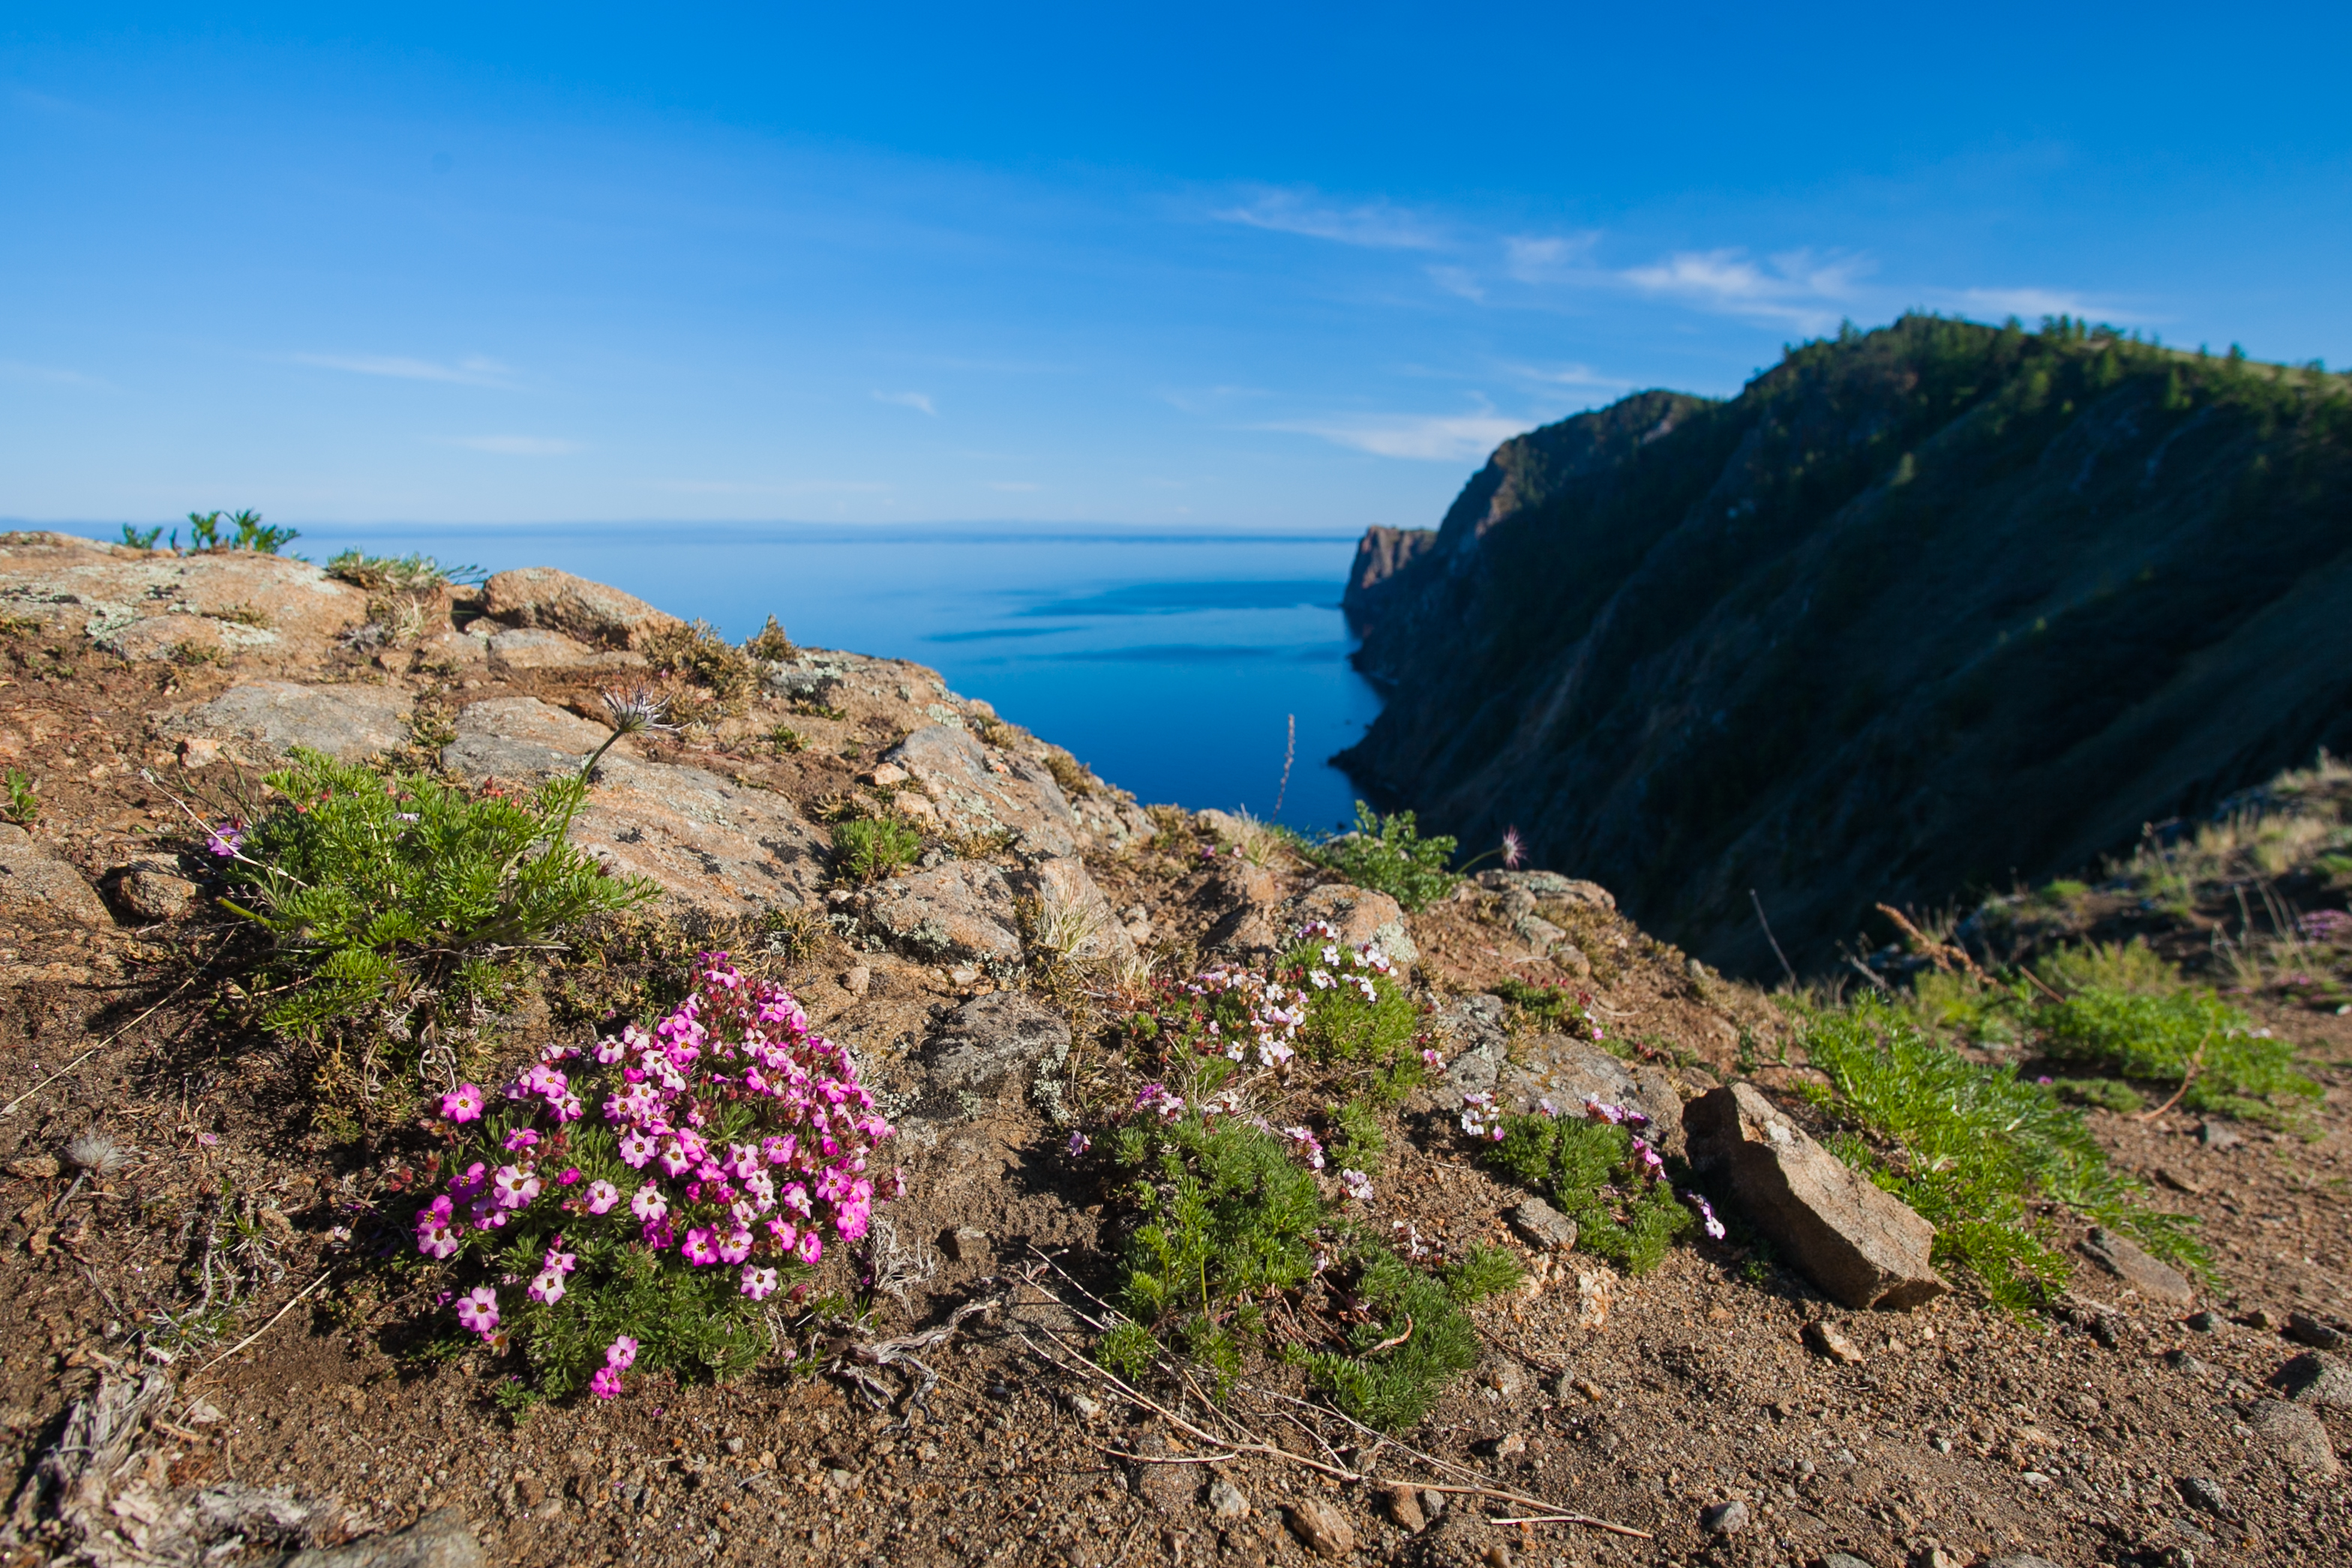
x,y
411,574
785,738
693,651
375,886
1975,1149
1389,855
142,538
867,849
1412,1336
24,805
1598,1174
2190,1037
248,532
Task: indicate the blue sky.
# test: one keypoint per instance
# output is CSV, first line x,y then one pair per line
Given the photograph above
x,y
1211,265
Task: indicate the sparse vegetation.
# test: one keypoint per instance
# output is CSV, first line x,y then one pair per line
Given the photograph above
x,y
412,574
382,891
24,804
693,651
247,532
1075,782
1389,855
867,849
769,645
1603,1175
142,538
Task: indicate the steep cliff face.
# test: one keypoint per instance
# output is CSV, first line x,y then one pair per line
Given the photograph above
x,y
1919,611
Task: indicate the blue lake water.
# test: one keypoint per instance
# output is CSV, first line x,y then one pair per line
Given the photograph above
x,y
1170,662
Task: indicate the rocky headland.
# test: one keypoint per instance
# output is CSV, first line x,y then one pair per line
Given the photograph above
x,y
223,1346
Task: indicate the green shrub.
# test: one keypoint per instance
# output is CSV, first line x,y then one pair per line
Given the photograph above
x,y
769,645
1593,1174
1413,1337
2238,1070
1353,1136
250,532
142,538
1349,1017
1389,855
1975,1149
374,885
693,651
2132,966
868,848
2106,1093
23,806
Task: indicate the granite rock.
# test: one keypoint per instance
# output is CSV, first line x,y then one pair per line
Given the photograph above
x,y
991,1044
39,883
258,722
542,598
2126,1260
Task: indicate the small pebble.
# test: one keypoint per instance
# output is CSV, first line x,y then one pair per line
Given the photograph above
x,y
1724,1518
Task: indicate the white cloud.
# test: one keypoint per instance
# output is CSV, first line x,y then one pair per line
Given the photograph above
x,y
1459,280
1793,288
920,402
1374,224
474,371
519,445
1428,438
2032,305
1567,376
1549,258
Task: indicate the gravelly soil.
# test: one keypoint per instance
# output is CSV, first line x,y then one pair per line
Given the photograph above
x,y
1642,1402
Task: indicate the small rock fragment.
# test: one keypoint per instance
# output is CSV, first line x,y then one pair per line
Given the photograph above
x,y
1506,1378
2182,1361
1227,1501
2131,1263
1084,1409
1432,1504
2022,1560
2204,1322
1320,1527
1403,1506
2258,1319
2177,1182
1501,1447
1844,1560
39,1167
1541,1226
2304,1329
884,775
967,1244
441,1539
1830,1340
2298,1436
2218,1135
2204,1492
857,980
1724,1518
1589,1388
2316,1378
1596,1292
1497,1556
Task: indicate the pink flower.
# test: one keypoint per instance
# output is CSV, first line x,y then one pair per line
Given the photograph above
x,y
1706,1214
674,1159
1515,849
520,1138
1079,1144
515,1186
463,1103
1358,1185
637,1148
735,1246
559,1262
649,1205
1307,1145
758,1283
621,1353
605,1384
784,1232
701,1249
811,1246
548,1287
602,1197
478,1310
610,1051
436,1237
571,1175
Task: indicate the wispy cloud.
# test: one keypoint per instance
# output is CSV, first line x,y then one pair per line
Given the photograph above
x,y
1583,376
2031,304
1549,258
519,445
920,402
50,375
1428,438
474,371
1377,225
1794,287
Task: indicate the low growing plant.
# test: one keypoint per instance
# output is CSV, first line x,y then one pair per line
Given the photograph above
x,y
1389,855
376,886
247,532
1410,1336
2228,1065
410,574
656,1190
769,645
24,804
1978,1151
1597,1169
1341,1006
867,849
694,652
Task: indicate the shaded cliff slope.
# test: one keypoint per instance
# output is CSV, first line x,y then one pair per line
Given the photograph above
x,y
1920,611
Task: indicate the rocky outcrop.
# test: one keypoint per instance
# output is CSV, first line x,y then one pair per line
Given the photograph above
x,y
542,598
1858,1242
37,882
153,604
1005,1041
1381,555
708,843
1930,608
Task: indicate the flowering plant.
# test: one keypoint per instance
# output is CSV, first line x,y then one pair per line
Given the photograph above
x,y
1601,1170
649,1193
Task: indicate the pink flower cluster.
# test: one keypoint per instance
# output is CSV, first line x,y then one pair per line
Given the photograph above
x,y
740,1135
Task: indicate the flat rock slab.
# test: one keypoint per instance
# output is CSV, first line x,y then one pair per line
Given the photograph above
x,y
955,910
259,721
530,648
708,844
1540,1226
2130,1262
1546,886
34,881
2297,1436
2315,1377
1555,1068
150,605
992,1043
542,596
1860,1243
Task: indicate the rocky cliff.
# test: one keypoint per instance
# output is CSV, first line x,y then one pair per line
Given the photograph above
x,y
1919,611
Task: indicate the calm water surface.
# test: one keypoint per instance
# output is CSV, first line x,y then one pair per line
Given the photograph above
x,y
1170,662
